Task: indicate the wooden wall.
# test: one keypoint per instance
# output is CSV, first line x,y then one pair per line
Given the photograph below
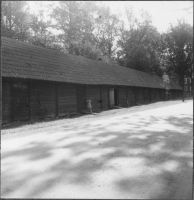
x,y
39,99
157,92
6,102
146,96
67,99
177,94
171,95
20,102
0,97
93,92
104,98
131,96
139,95
162,95
180,94
122,97
81,98
152,95
42,100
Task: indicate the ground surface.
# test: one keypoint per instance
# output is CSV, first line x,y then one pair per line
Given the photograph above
x,y
143,152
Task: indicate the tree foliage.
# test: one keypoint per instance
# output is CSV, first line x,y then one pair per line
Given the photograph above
x,y
179,50
91,30
86,50
15,20
166,81
74,21
140,44
107,31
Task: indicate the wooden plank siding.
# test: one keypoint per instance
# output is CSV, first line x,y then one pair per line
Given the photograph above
x,y
153,95
104,98
42,100
122,97
171,95
146,96
67,99
175,95
130,96
20,101
157,91
6,102
0,98
162,95
139,96
81,98
94,92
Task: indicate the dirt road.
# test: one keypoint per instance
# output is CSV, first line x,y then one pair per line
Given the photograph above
x,y
146,155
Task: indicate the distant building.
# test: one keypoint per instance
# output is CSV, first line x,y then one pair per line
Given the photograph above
x,y
188,87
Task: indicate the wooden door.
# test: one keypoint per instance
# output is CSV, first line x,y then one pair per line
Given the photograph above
x,y
146,95
6,102
104,98
20,102
131,96
122,97
67,102
111,97
81,98
93,92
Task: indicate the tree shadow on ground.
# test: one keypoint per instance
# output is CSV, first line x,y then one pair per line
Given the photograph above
x,y
150,157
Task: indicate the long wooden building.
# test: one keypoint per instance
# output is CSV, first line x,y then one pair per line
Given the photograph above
x,y
38,83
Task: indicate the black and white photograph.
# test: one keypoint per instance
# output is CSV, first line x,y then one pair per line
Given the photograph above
x,y
96,100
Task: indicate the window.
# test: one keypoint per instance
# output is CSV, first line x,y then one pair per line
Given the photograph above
x,y
190,88
185,88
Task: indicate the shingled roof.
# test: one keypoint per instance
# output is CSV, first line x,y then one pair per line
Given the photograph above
x,y
24,60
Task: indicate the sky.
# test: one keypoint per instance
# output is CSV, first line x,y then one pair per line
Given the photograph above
x,y
163,12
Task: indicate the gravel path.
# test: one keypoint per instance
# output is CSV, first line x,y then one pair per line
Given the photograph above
x,y
33,127
145,154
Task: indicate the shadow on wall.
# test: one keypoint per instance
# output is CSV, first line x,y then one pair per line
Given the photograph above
x,y
151,156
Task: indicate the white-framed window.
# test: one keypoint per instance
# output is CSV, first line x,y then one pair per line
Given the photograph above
x,y
190,88
185,88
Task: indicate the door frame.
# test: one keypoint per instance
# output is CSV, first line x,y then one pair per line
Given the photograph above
x,y
115,90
